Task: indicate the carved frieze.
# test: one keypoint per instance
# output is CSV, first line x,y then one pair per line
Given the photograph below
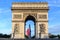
x,y
30,6
42,16
17,16
32,14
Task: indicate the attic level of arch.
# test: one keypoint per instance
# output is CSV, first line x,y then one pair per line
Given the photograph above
x,y
30,6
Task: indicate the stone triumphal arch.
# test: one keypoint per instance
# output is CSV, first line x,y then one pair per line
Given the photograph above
x,y
38,12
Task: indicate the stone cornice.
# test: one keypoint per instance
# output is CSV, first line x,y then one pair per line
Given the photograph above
x,y
29,6
29,11
24,21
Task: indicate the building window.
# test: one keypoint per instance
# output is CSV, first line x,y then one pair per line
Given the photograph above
x,y
42,28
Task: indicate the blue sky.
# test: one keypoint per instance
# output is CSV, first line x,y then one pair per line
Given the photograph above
x,y
53,15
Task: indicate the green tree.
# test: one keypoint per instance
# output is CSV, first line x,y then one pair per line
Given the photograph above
x,y
58,36
4,35
52,36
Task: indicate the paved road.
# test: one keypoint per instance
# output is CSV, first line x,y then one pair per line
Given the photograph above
x,y
26,39
5,39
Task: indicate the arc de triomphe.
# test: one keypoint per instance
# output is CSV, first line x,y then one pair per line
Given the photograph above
x,y
37,12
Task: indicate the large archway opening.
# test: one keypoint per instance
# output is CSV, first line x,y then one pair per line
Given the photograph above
x,y
30,27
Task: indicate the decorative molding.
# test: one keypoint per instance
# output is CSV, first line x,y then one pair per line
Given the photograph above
x,y
26,6
42,21
28,11
24,21
17,21
17,16
29,8
32,14
42,16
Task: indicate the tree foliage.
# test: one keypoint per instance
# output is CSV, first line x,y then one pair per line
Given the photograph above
x,y
58,36
54,36
4,35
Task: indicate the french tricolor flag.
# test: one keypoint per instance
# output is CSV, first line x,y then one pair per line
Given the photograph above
x,y
28,32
